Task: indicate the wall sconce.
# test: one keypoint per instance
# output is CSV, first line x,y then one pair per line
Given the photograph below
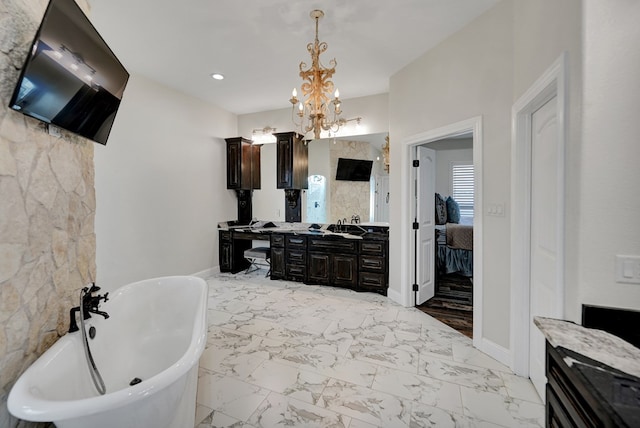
x,y
263,136
385,153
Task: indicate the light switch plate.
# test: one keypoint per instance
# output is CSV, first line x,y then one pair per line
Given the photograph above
x,y
628,269
495,210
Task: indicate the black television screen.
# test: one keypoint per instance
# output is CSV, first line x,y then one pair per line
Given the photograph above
x,y
70,79
353,169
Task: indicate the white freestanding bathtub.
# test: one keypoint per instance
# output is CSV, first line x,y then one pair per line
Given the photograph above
x,y
156,332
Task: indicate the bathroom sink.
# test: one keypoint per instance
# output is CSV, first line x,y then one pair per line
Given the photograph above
x,y
342,234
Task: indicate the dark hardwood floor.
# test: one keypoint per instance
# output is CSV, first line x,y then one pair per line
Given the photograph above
x,y
453,303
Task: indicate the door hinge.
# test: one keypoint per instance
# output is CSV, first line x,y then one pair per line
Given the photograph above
x,y
415,287
416,163
416,225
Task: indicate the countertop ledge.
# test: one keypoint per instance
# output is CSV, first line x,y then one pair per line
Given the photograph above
x,y
595,344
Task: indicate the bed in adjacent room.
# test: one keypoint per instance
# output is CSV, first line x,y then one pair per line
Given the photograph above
x,y
454,239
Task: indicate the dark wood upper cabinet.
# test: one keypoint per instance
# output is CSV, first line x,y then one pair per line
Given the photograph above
x,y
255,166
243,164
292,164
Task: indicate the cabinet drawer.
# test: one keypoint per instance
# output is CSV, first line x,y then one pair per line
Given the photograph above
x,y
277,240
295,241
372,263
225,235
245,236
335,245
556,415
296,272
369,279
372,247
296,257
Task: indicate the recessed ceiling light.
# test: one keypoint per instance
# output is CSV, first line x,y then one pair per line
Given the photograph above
x,y
217,76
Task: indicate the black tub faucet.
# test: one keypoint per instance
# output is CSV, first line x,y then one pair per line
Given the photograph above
x,y
90,305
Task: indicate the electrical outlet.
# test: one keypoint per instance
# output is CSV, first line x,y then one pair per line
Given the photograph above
x,y
628,269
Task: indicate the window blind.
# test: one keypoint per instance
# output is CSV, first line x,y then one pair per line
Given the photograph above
x,y
463,183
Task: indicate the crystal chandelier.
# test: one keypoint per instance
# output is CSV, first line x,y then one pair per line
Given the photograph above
x,y
314,111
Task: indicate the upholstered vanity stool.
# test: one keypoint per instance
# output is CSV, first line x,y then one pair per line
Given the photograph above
x,y
255,254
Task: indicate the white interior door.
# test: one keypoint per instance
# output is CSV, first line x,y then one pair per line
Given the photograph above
x,y
425,217
545,268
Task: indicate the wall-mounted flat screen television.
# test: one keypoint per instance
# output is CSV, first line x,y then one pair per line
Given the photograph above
x,y
353,169
71,78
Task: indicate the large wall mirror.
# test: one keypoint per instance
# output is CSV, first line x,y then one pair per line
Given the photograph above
x,y
328,199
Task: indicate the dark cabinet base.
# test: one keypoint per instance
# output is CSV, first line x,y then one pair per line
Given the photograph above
x,y
277,263
319,268
360,265
583,393
231,255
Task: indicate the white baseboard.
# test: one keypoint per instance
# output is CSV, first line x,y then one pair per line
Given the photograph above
x,y
495,351
396,296
204,274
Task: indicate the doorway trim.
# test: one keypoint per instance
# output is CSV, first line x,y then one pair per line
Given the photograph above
x,y
551,83
473,125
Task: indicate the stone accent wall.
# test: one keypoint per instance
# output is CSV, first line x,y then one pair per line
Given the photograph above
x,y
349,197
47,208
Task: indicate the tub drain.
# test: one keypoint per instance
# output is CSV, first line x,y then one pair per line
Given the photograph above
x,y
135,381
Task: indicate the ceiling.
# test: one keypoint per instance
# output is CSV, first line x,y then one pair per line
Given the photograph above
x,y
259,44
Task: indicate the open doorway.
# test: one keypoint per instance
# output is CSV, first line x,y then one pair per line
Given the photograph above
x,y
452,302
418,220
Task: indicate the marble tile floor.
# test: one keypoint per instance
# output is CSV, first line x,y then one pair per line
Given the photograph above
x,y
288,354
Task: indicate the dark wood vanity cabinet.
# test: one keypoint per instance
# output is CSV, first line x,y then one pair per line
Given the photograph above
x,y
292,161
288,254
231,252
277,257
372,265
587,393
332,261
295,257
313,258
243,164
319,268
226,251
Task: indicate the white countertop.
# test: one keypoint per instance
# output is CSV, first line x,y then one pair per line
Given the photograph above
x,y
595,344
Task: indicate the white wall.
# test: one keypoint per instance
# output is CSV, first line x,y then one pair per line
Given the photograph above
x,y
444,161
161,186
609,205
481,71
468,75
